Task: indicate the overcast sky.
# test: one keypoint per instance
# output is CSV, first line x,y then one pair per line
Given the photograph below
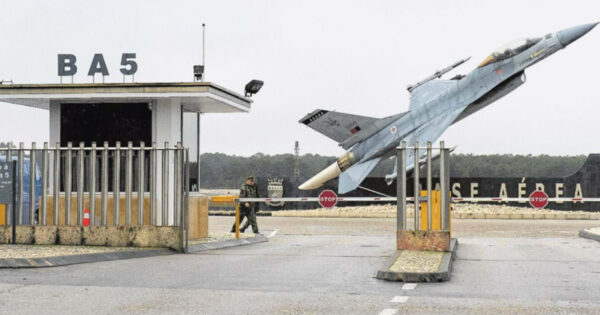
x,y
349,56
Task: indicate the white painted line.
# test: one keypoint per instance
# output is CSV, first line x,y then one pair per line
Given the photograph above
x,y
399,299
273,233
409,286
389,311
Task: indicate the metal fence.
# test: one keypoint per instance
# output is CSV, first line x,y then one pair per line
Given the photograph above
x,y
76,176
422,155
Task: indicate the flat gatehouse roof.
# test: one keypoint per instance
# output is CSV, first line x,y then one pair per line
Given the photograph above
x,y
205,97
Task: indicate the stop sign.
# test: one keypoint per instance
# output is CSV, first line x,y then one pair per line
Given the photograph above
x,y
327,199
538,199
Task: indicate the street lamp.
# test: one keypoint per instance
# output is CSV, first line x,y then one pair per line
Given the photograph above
x,y
253,87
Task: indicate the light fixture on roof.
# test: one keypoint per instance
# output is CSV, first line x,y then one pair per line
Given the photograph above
x,y
253,87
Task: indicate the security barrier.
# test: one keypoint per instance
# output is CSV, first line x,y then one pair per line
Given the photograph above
x,y
119,185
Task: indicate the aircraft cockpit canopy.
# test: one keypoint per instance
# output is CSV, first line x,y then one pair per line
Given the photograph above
x,y
510,49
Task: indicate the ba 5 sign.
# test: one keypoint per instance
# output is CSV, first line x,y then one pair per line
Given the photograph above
x,y
67,65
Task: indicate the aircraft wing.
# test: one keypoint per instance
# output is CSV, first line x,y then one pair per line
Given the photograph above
x,y
429,91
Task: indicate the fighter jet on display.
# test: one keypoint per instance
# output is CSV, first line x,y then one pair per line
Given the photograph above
x,y
434,105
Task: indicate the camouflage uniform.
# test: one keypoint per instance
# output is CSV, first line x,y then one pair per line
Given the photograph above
x,y
248,191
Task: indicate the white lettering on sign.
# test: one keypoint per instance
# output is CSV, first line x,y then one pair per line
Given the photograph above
x,y
559,191
474,190
456,190
539,186
503,193
521,190
578,192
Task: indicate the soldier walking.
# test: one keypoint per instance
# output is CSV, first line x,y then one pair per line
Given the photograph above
x,y
248,209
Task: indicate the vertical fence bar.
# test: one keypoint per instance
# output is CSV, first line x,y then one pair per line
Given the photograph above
x,y
446,190
104,194
68,182
401,188
417,191
140,184
32,169
44,192
165,185
443,187
92,184
56,192
128,182
21,163
428,185
153,184
116,183
80,176
8,210
176,182
186,201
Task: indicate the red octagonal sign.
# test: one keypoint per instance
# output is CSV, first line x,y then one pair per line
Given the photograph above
x,y
538,199
327,199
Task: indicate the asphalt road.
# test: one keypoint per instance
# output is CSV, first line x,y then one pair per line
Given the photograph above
x,y
326,266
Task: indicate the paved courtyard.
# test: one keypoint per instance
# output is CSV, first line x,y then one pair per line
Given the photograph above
x,y
326,266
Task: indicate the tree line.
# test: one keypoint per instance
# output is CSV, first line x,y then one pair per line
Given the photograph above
x,y
220,170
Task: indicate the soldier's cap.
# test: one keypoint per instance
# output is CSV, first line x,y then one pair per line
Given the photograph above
x,y
250,178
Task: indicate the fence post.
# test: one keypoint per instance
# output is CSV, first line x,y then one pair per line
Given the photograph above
x,y
80,175
92,185
417,190
401,188
165,184
32,169
237,219
116,183
68,183
444,183
104,193
428,185
56,193
128,182
140,184
153,156
21,163
44,191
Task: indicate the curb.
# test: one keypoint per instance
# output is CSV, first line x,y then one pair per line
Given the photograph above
x,y
57,261
589,235
259,238
469,215
443,274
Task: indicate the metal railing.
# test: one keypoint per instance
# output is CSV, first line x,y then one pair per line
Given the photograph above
x,y
156,176
417,153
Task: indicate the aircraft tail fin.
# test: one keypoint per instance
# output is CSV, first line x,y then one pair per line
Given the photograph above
x,y
352,177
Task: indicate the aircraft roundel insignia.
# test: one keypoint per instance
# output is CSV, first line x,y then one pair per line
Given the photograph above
x,y
393,129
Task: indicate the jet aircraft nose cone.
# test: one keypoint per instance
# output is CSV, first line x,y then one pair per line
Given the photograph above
x,y
569,35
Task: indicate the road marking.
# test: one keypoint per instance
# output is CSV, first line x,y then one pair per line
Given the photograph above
x,y
399,299
409,286
389,311
273,233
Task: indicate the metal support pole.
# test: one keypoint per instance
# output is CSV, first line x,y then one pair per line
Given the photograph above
x,y
80,176
128,182
21,157
32,201
417,190
92,184
56,192
116,183
186,200
401,188
428,185
165,185
153,156
176,181
104,184
44,192
443,187
68,183
140,184
9,208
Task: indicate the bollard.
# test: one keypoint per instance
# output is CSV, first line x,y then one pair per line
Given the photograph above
x,y
237,219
